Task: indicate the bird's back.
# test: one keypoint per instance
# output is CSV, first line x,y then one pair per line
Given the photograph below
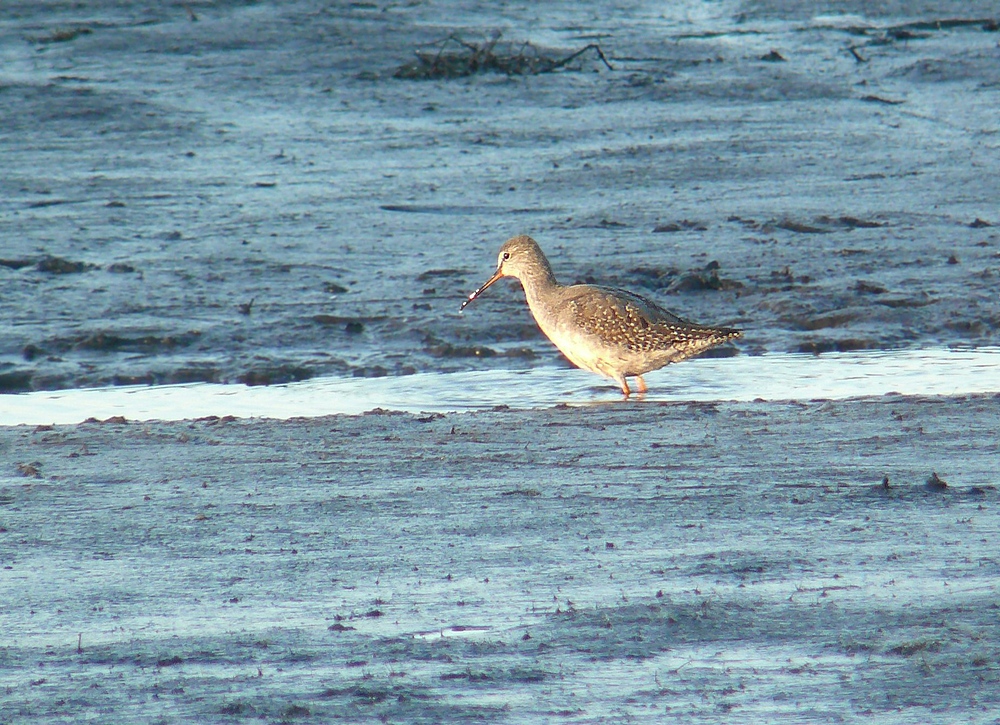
x,y
621,319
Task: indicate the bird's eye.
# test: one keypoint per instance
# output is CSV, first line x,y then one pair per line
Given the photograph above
x,y
506,256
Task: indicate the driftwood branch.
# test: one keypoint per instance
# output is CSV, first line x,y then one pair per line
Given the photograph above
x,y
456,58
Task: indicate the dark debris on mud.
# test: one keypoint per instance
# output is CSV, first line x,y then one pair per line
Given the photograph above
x,y
454,57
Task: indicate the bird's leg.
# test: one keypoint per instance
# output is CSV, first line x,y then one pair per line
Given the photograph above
x,y
640,384
625,391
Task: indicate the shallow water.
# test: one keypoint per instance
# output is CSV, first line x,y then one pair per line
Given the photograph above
x,y
745,378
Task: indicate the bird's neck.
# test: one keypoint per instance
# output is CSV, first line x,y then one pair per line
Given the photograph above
x,y
539,282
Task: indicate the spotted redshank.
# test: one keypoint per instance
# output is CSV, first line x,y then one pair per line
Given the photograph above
x,y
608,331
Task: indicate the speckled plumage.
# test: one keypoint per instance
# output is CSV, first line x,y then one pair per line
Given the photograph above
x,y
608,331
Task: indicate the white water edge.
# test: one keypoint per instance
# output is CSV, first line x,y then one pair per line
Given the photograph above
x,y
742,378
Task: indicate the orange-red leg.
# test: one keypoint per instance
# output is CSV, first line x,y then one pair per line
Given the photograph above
x,y
640,384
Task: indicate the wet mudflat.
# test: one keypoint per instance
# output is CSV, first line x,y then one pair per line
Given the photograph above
x,y
808,561
267,192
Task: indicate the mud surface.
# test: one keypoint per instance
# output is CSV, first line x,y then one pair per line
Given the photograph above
x,y
802,562
238,191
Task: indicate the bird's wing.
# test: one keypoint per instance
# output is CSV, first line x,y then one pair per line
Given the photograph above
x,y
638,324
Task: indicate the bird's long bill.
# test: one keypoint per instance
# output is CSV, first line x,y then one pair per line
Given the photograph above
x,y
496,275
